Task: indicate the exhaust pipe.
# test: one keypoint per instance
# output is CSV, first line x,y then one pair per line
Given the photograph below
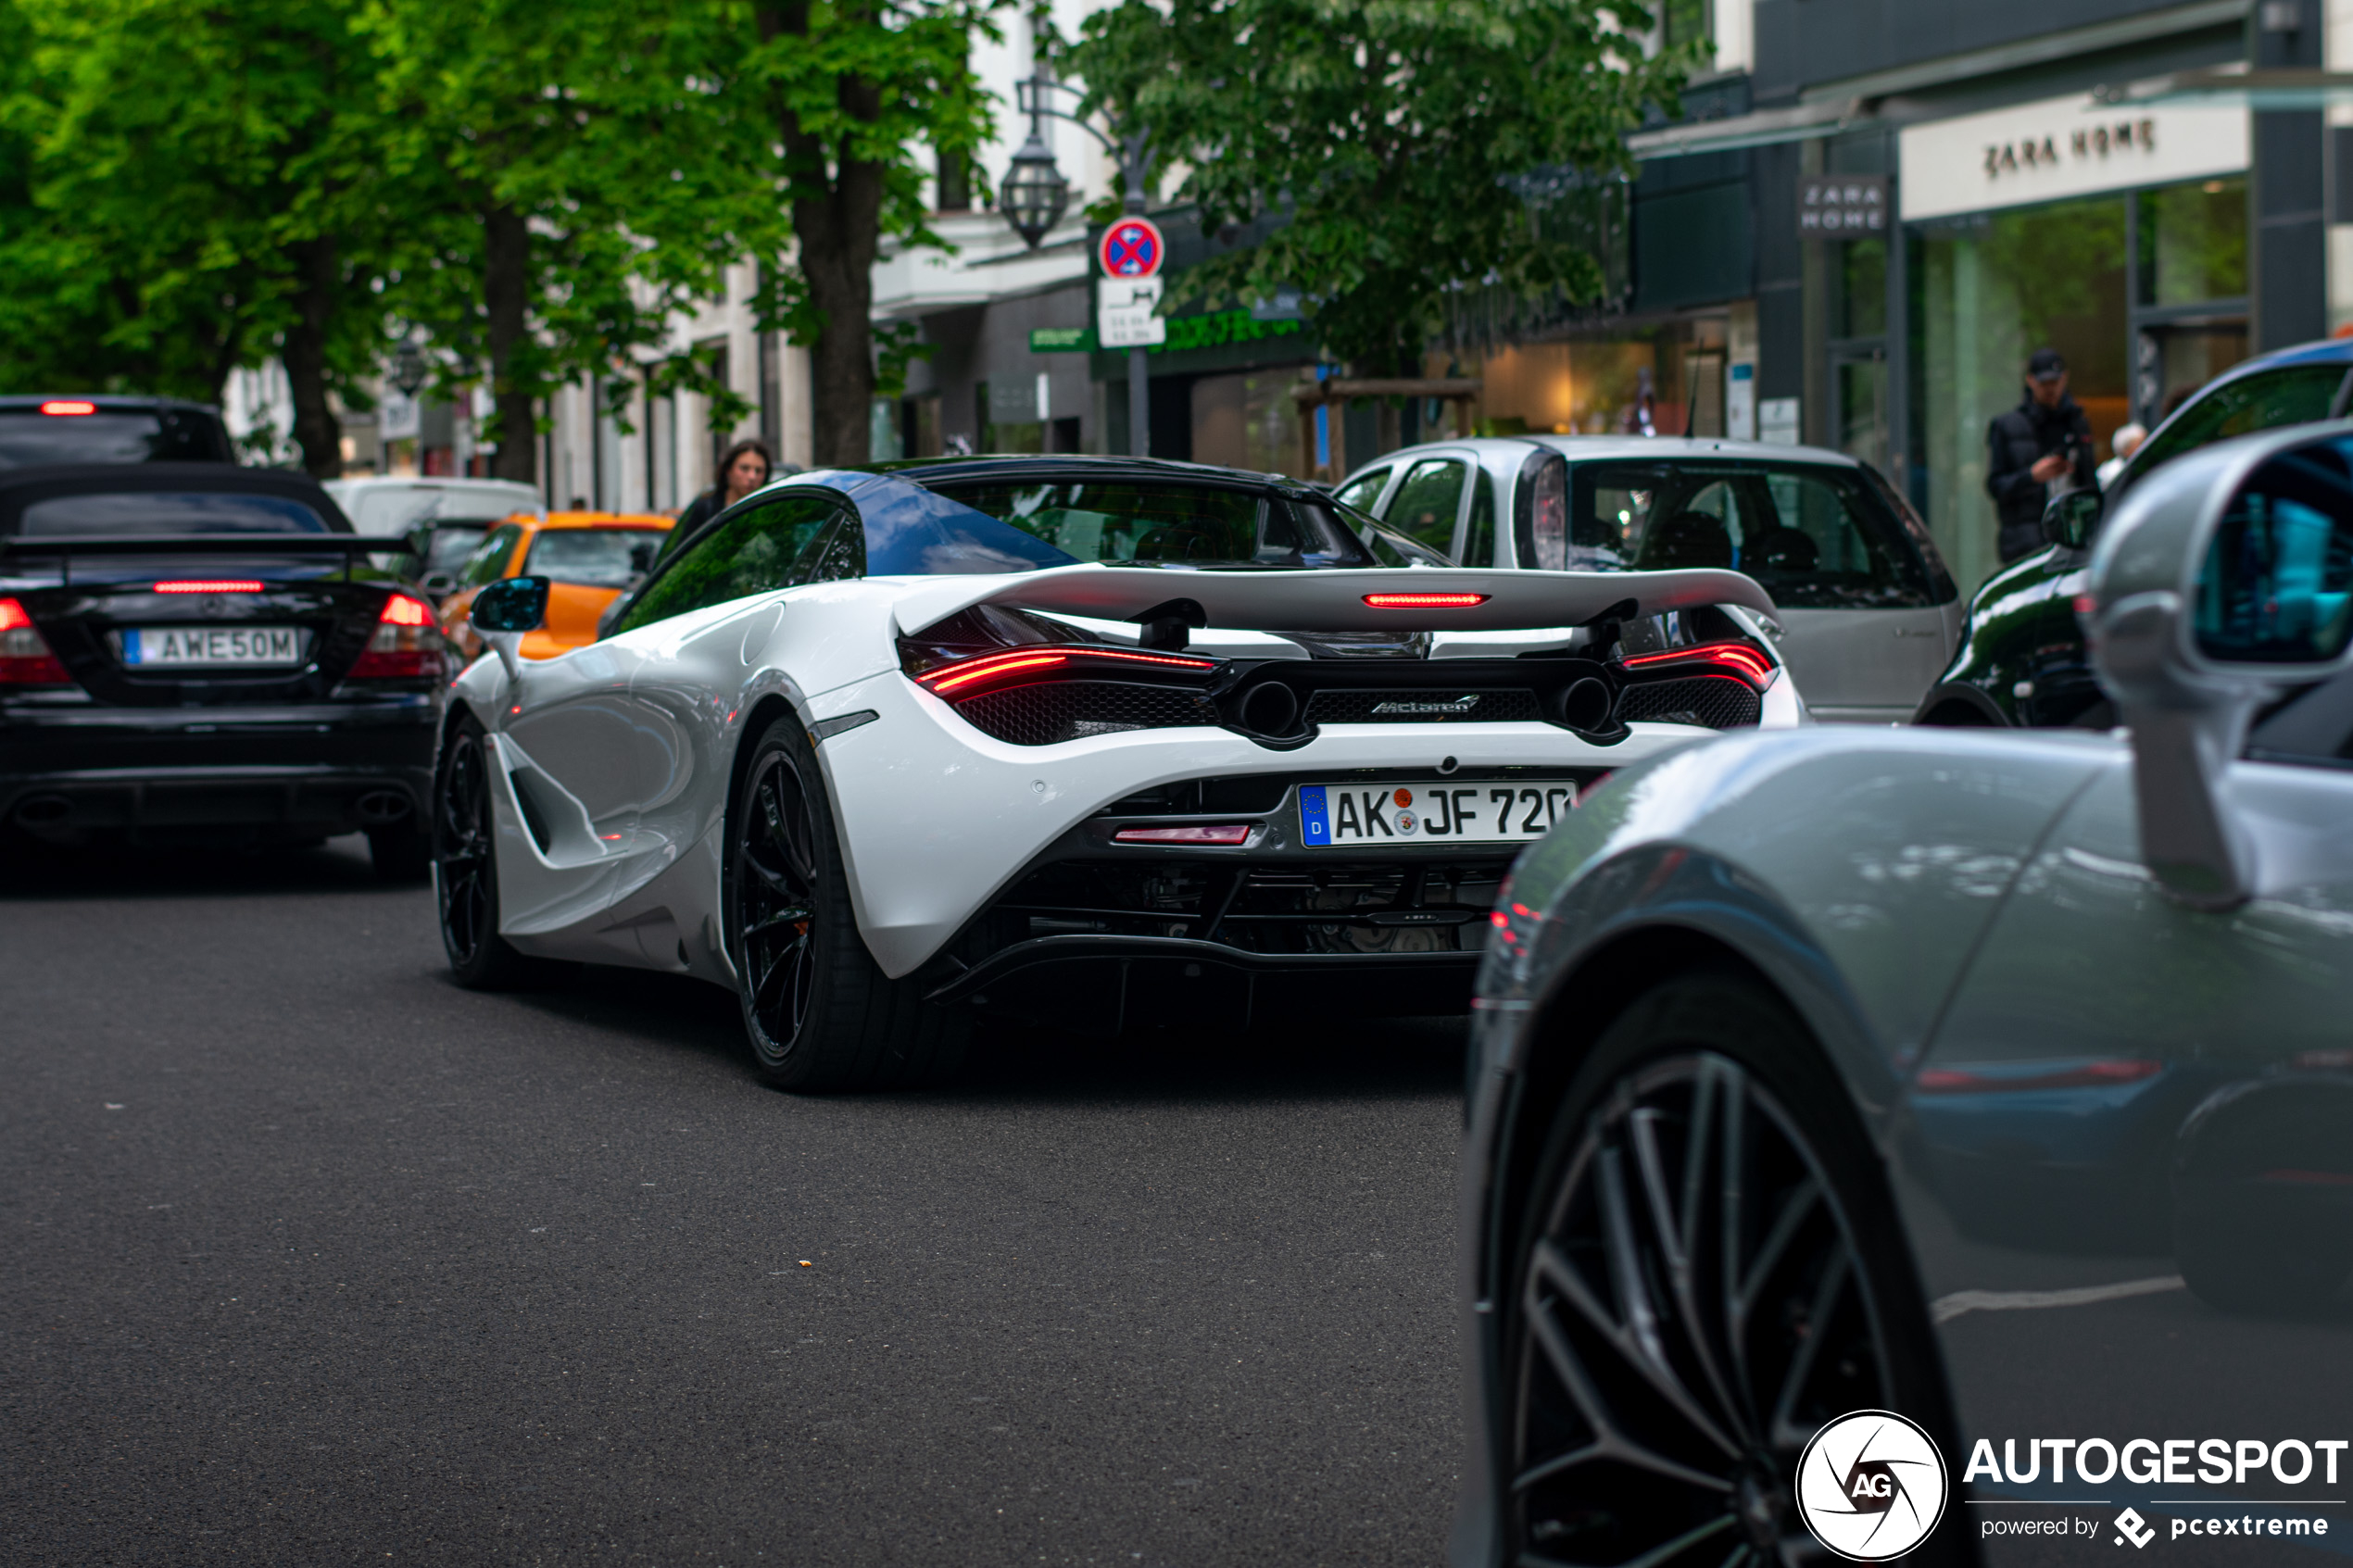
x,y
380,808
44,810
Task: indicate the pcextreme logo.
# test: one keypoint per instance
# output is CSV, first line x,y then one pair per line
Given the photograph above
x,y
1871,1485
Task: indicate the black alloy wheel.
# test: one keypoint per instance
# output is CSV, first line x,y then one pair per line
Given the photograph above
x,y
820,1013
776,908
1706,1278
465,865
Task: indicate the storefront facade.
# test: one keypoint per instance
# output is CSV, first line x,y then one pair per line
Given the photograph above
x,y
1936,192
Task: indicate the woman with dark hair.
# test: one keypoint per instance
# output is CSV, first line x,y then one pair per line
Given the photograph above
x,y
743,467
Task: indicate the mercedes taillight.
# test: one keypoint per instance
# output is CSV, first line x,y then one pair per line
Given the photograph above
x,y
407,645
25,659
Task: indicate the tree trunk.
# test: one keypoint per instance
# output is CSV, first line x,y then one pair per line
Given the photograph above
x,y
506,297
316,430
837,227
838,235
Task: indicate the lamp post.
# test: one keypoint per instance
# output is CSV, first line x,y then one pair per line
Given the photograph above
x,y
409,370
1035,194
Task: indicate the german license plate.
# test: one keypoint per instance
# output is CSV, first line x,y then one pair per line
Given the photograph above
x,y
148,645
1353,816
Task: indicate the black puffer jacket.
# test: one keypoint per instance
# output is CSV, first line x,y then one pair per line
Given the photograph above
x,y
2015,442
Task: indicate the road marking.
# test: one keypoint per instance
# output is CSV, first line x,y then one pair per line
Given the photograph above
x,y
1946,1308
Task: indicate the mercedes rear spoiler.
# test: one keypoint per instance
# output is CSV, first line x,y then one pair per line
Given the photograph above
x,y
239,547
1383,599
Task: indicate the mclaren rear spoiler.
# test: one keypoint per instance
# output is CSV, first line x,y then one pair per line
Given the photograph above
x,y
63,548
1428,599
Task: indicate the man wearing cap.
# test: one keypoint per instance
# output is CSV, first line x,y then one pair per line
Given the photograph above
x,y
2039,450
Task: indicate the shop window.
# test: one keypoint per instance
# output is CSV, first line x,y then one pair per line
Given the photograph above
x,y
1248,421
1429,502
2192,243
1862,288
1992,291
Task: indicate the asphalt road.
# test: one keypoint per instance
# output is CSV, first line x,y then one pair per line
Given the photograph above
x,y
313,1257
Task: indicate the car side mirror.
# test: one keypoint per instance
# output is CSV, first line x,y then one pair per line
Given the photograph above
x,y
506,609
2069,520
2225,578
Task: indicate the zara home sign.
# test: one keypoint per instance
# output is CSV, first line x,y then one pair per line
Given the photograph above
x,y
2061,147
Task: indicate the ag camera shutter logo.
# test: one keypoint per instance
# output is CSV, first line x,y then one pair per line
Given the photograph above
x,y
1871,1485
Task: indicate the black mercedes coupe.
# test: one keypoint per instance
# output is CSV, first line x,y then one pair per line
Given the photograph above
x,y
203,653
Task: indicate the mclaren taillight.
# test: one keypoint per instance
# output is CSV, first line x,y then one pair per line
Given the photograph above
x,y
68,406
407,645
25,659
1424,601
994,672
1218,832
211,585
1709,659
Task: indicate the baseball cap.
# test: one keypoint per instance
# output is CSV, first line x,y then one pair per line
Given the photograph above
x,y
2046,365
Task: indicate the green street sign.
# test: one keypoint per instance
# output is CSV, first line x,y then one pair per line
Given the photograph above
x,y
1061,340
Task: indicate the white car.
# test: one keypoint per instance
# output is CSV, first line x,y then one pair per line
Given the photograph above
x,y
459,512
1094,742
1868,615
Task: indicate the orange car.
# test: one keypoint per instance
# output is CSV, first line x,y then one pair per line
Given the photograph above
x,y
591,556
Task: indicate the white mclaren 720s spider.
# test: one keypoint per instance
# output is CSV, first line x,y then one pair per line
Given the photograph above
x,y
1086,742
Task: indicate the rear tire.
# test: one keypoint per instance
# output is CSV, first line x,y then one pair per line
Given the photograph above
x,y
465,864
402,853
819,1012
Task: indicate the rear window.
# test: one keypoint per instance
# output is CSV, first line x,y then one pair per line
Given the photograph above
x,y
1817,538
1119,523
595,557
29,436
168,512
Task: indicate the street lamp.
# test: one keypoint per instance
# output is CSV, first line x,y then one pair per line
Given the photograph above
x,y
409,369
1035,194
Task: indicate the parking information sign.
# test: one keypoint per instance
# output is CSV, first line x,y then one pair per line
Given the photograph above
x,y
1126,313
1132,248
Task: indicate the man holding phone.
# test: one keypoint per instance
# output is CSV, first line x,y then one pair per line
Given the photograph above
x,y
2038,450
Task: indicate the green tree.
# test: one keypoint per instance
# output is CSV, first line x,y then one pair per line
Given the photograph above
x,y
854,92
1385,132
572,177
196,198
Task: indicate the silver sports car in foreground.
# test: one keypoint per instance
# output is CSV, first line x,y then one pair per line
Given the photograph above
x,y
1094,742
1943,1141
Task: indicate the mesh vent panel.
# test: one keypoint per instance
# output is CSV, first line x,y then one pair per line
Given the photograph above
x,y
1060,710
1358,707
1718,701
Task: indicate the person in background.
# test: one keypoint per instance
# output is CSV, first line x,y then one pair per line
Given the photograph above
x,y
2122,445
2039,450
743,467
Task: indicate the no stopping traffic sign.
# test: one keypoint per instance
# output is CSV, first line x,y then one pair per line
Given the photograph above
x,y
1131,248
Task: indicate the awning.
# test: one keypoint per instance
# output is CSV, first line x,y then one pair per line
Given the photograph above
x,y
1759,127
2225,87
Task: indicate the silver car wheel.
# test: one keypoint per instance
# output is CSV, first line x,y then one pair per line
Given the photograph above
x,y
1691,1308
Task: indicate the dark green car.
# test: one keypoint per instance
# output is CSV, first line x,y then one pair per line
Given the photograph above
x,y
2022,659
